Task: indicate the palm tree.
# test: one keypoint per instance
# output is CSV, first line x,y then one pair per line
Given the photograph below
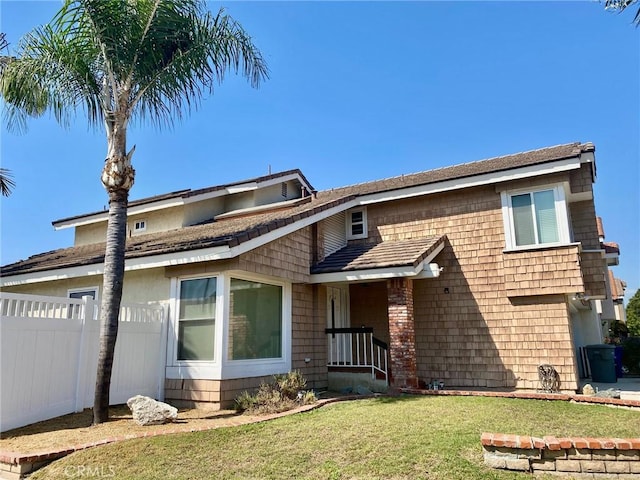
x,y
118,61
6,183
621,5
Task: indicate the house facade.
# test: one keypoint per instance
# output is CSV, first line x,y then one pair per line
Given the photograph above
x,y
471,275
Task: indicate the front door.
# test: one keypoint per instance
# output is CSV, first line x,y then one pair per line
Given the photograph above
x,y
339,345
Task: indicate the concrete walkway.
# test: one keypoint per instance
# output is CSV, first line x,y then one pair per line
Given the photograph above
x,y
629,387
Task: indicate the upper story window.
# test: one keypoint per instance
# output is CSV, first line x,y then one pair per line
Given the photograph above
x,y
139,225
535,218
357,223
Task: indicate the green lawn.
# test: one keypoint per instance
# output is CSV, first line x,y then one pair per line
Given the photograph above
x,y
392,438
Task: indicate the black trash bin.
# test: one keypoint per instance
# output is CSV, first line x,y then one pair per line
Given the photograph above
x,y
602,361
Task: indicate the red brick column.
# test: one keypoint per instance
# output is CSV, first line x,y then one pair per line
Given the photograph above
x,y
402,334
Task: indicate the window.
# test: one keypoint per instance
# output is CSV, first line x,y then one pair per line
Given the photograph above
x,y
140,226
284,190
357,224
87,292
255,320
91,292
536,218
196,319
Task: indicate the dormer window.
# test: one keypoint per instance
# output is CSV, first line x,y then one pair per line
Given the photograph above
x,y
139,226
357,223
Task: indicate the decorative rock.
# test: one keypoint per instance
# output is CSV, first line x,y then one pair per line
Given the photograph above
x,y
147,411
609,393
588,390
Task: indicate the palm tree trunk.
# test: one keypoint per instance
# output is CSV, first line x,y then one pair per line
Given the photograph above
x,y
113,278
117,178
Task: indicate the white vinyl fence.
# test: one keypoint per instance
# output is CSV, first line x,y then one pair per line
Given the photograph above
x,y
49,356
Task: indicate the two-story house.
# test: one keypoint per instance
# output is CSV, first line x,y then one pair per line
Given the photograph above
x,y
473,275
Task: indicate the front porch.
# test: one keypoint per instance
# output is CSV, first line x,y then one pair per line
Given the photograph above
x,y
356,358
371,340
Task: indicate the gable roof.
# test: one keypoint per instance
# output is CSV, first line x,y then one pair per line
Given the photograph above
x,y
266,226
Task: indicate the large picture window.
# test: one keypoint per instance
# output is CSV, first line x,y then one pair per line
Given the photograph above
x,y
255,320
196,320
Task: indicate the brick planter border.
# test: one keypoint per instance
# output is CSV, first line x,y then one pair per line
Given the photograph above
x,y
567,397
575,456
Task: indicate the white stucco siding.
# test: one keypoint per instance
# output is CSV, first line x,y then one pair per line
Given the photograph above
x,y
144,286
92,233
157,221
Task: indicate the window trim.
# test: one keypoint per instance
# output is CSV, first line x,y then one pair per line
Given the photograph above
x,y
202,368
221,368
137,229
562,217
95,291
350,223
96,298
260,366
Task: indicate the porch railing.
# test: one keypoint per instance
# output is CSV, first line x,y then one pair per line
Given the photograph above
x,y
357,348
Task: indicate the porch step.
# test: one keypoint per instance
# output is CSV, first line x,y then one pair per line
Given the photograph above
x,y
348,378
358,370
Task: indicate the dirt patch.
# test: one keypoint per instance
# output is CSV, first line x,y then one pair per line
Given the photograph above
x,y
76,429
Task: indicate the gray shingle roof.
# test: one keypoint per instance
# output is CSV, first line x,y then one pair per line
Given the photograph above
x,y
234,231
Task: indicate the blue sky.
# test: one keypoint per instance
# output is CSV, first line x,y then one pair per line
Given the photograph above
x,y
361,91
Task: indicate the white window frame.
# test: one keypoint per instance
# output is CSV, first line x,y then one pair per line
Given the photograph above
x,y
95,291
96,299
136,223
209,369
221,368
261,366
562,217
350,224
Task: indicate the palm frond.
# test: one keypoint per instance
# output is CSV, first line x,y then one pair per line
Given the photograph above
x,y
6,182
144,59
621,5
197,54
51,72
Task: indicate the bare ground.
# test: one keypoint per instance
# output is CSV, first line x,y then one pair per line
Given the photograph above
x,y
76,429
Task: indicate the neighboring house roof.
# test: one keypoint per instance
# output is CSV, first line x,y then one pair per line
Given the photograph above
x,y
600,227
364,256
617,287
611,247
232,232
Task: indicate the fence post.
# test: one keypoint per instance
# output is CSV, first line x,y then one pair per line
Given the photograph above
x,y
81,375
162,361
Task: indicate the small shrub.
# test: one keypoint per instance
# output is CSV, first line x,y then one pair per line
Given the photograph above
x,y
308,397
245,401
631,355
290,383
283,393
